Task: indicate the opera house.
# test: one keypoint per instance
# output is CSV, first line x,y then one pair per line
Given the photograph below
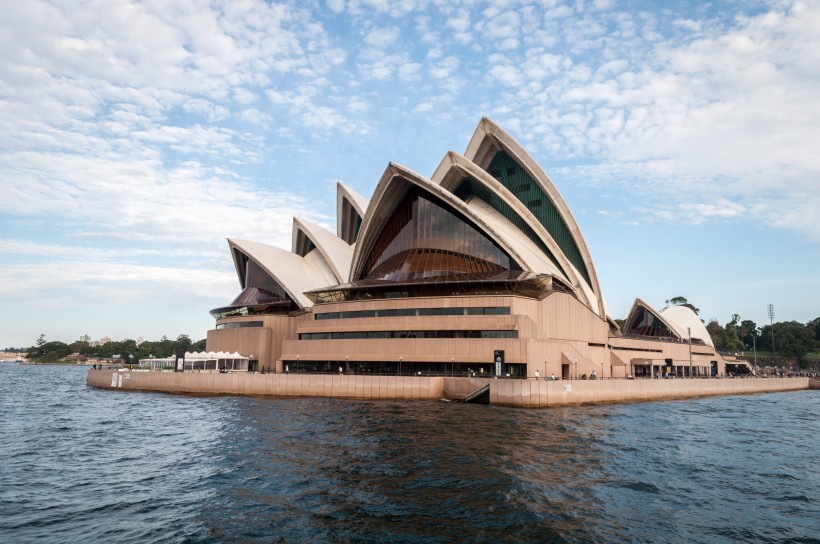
x,y
479,270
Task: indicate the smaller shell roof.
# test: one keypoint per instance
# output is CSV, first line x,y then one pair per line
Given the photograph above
x,y
346,214
671,325
293,273
335,251
683,317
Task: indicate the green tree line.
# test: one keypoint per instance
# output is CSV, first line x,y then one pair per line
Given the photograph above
x,y
47,352
791,338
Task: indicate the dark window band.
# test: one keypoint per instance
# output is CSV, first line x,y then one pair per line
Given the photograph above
x,y
379,335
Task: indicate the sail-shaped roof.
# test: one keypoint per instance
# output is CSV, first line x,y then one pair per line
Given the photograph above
x,y
644,320
684,318
293,273
496,152
394,186
309,237
350,210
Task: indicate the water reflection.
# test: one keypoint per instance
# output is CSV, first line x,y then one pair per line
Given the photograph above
x,y
99,466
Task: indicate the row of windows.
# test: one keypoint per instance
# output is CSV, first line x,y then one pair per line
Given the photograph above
x,y
378,335
412,312
639,349
239,325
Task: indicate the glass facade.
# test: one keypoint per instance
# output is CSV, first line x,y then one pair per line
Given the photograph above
x,y
469,188
426,238
507,282
261,294
510,174
645,323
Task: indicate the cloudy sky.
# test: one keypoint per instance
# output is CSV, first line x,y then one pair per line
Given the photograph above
x,y
137,136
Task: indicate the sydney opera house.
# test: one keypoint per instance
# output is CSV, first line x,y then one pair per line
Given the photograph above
x,y
478,270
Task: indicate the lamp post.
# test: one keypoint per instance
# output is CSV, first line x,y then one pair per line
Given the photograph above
x,y
545,369
452,366
399,365
689,332
770,307
602,370
754,347
576,369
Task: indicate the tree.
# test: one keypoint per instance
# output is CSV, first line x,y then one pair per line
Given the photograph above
x,y
793,339
681,301
748,333
41,340
814,326
49,352
730,339
716,332
183,342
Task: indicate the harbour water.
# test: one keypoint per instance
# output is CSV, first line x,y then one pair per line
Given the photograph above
x,y
89,465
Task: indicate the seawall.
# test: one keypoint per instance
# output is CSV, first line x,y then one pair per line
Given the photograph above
x,y
524,393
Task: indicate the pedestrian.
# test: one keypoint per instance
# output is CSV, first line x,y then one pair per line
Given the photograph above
x,y
287,369
537,375
340,369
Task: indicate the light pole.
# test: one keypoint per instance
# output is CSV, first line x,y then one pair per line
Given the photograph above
x,y
754,348
602,370
452,366
399,365
689,332
545,369
770,307
576,369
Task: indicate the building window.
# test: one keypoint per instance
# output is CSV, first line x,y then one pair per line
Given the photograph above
x,y
239,325
413,312
376,335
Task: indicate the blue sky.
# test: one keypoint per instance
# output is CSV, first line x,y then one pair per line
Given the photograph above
x,y
137,136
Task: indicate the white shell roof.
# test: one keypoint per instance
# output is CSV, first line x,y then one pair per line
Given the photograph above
x,y
356,201
450,172
489,138
683,317
293,273
335,251
640,303
390,190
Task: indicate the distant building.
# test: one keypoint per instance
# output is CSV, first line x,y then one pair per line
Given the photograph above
x,y
85,338
140,340
480,269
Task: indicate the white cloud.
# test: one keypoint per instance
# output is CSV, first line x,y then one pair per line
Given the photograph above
x,y
382,37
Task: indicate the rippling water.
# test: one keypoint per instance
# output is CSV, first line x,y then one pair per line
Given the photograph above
x,y
86,465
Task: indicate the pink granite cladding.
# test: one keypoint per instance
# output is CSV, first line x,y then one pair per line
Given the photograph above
x,y
526,393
